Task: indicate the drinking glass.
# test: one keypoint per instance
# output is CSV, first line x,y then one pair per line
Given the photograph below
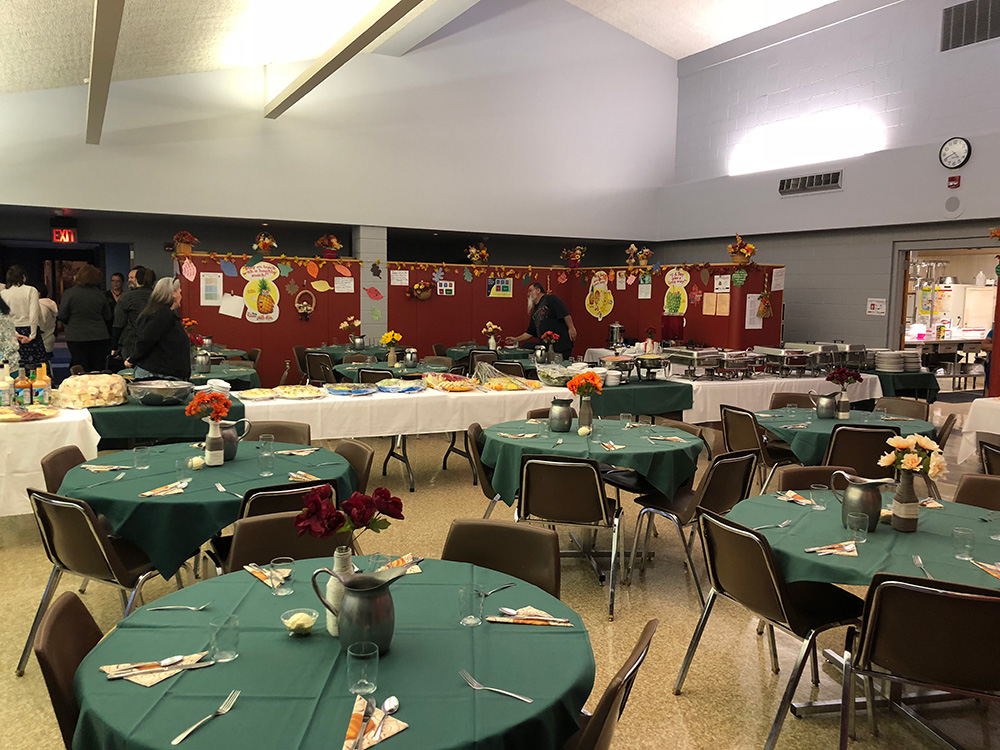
x,y
963,540
626,419
225,640
140,457
265,458
282,568
375,562
880,412
645,425
183,467
819,502
362,668
323,345
470,604
791,406
857,523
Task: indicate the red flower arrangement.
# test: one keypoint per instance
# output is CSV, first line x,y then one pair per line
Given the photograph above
x,y
189,325
550,337
419,289
321,518
844,377
214,406
329,244
585,383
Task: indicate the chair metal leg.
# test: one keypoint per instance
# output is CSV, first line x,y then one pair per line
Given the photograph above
x,y
786,699
50,590
870,705
650,529
178,580
489,508
815,665
760,627
847,712
767,482
611,567
83,586
693,646
774,649
635,546
134,593
690,564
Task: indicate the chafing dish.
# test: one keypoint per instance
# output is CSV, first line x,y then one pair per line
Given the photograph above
x,y
651,363
784,362
161,392
855,356
693,359
823,358
620,362
739,364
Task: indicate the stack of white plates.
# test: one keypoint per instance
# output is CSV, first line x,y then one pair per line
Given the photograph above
x,y
890,362
911,361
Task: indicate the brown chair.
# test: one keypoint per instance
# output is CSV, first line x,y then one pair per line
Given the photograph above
x,y
691,429
440,350
781,399
904,407
597,730
56,463
484,474
298,433
727,481
66,634
75,542
743,569
527,552
741,431
945,430
319,368
901,641
254,356
860,447
989,455
355,359
510,368
804,477
980,490
260,539
374,376
568,491
300,361
481,355
439,361
76,370
360,456
217,359
544,413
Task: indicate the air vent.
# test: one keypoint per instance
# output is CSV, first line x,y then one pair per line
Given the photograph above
x,y
968,23
814,183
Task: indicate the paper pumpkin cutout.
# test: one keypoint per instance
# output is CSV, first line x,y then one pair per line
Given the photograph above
x,y
468,275
189,270
376,270
284,268
254,260
739,277
373,293
312,268
291,287
376,314
438,275
562,277
705,276
228,268
321,285
341,269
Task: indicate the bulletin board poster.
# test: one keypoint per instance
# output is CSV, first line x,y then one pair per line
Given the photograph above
x,y
497,287
260,294
675,300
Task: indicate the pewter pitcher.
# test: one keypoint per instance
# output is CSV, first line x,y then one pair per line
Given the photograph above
x,y
202,362
826,406
357,342
561,415
231,437
410,357
861,496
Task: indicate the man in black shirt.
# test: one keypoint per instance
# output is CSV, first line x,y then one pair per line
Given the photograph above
x,y
125,329
548,313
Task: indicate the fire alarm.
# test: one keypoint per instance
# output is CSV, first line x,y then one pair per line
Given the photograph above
x,y
955,181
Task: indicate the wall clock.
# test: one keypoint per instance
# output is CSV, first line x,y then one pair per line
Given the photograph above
x,y
955,153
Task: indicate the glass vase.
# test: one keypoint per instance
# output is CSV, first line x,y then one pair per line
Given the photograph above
x,y
586,412
905,505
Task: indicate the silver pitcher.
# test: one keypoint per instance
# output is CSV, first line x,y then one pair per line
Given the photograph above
x,y
561,415
541,354
366,612
410,357
357,342
826,406
231,437
202,362
861,496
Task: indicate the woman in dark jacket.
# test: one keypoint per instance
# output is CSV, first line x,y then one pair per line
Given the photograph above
x,y
163,349
86,314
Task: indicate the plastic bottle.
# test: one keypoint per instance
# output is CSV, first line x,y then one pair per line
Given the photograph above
x,y
41,387
22,389
6,386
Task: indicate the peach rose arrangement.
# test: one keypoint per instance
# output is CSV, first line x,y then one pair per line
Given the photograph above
x,y
914,453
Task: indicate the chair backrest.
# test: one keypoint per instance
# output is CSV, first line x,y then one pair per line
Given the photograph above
x,y
299,433
944,431
600,729
902,624
66,634
803,477
562,489
903,407
528,552
300,360
544,413
254,356
691,429
781,399
260,539
740,430
76,370
510,368
279,498
360,456
355,359
860,447
319,368
217,359
980,490
439,360
475,434
56,463
989,454
374,376
727,481
484,355
440,350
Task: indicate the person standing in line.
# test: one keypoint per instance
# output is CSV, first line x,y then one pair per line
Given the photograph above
x,y
116,291
162,349
85,312
9,345
125,329
22,299
49,311
548,313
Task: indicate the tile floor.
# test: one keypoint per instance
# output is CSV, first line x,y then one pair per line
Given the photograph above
x,y
730,695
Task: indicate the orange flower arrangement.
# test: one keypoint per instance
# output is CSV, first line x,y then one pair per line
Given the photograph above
x,y
214,406
585,383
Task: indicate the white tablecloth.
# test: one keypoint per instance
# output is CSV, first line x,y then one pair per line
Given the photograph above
x,y
384,414
984,416
24,444
755,394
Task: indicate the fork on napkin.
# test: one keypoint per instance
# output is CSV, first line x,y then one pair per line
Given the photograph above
x,y
670,439
791,496
993,570
519,435
150,679
174,488
270,578
296,452
391,726
399,562
799,426
897,419
301,476
612,446
850,549
531,616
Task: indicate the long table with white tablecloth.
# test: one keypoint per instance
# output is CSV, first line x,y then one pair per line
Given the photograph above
x,y
984,417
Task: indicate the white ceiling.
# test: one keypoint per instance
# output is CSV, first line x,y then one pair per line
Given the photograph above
x,y
46,43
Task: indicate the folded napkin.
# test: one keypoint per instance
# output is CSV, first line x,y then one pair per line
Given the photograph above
x,y
762,415
519,435
392,726
148,680
407,558
930,503
529,616
199,446
301,476
174,488
791,496
631,425
897,419
532,421
96,468
271,579
611,446
296,452
670,439
799,426
848,549
993,570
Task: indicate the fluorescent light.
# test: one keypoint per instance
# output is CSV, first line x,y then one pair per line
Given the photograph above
x,y
810,139
735,18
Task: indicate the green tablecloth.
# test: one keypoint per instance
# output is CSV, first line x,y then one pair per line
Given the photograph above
x,y
885,551
171,527
226,352
506,353
240,377
339,351
667,465
350,372
810,443
133,420
918,384
294,690
644,397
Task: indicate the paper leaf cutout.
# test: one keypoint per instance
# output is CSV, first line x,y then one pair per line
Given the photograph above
x,y
468,275
189,270
376,270
321,285
525,280
312,268
705,276
228,268
254,260
438,275
284,269
373,293
376,314
656,267
631,280
585,281
562,277
739,277
291,287
341,269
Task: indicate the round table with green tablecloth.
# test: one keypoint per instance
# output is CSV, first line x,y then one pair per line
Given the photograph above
x,y
337,352
225,351
885,550
809,443
169,528
665,464
294,689
461,351
240,376
351,372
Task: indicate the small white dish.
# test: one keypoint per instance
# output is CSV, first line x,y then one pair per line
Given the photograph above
x,y
300,621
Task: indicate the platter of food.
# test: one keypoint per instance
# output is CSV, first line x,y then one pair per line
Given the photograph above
x,y
351,389
511,383
398,385
257,394
87,391
299,392
27,413
450,382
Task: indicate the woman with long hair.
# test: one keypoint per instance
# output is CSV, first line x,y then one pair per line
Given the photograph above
x,y
162,349
26,315
85,312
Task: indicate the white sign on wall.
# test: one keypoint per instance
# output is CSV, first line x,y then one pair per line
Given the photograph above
x,y
876,307
722,284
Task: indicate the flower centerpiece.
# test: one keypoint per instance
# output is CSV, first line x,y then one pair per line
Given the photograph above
x,y
419,290
574,256
190,324
649,345
844,377
264,243
353,327
644,255
329,244
585,385
493,331
212,408
478,254
741,251
550,338
183,242
391,339
909,455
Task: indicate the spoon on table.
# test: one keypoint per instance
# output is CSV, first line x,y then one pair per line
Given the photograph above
x,y
178,606
106,481
557,443
389,707
499,588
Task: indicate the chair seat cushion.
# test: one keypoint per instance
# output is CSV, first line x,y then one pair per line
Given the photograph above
x,y
777,454
134,560
682,506
627,479
816,604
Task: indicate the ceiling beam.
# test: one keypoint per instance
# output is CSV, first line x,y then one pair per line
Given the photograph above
x,y
429,19
107,26
366,31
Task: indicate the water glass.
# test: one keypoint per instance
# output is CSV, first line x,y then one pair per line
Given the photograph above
x,y
265,458
819,500
791,406
140,457
323,345
362,668
470,604
880,412
282,569
225,638
626,419
375,562
963,540
857,524
645,425
183,467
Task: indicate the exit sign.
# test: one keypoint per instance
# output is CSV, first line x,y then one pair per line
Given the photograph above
x,y
63,235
